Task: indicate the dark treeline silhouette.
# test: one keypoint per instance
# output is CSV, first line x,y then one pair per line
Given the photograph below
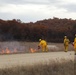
x,y
52,30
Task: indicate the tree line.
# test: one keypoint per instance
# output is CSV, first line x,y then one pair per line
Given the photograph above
x,y
52,30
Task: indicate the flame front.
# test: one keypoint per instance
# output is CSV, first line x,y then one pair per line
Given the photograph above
x,y
15,50
33,50
8,51
2,52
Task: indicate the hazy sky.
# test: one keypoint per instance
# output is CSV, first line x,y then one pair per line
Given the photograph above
x,y
34,10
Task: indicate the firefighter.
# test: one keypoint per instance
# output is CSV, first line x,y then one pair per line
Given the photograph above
x,y
75,44
43,45
66,43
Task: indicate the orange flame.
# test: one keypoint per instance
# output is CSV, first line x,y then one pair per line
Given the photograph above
x,y
8,51
15,50
33,50
2,52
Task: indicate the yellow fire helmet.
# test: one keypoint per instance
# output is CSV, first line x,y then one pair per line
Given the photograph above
x,y
65,36
39,39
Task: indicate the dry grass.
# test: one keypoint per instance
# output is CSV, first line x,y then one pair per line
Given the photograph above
x,y
75,65
51,68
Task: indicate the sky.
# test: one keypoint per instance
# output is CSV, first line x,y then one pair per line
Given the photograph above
x,y
35,10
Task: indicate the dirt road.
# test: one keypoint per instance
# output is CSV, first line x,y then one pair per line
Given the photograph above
x,y
33,58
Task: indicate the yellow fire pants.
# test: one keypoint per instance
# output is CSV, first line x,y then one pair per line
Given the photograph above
x,y
66,48
44,48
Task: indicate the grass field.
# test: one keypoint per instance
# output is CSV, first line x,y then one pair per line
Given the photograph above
x,y
51,68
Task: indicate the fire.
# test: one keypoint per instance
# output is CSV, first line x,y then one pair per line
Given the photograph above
x,y
8,51
33,50
15,50
2,52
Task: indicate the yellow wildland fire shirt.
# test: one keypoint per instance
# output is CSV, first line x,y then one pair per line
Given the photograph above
x,y
66,42
43,42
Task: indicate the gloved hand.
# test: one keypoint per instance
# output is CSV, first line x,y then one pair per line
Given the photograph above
x,y
38,47
72,43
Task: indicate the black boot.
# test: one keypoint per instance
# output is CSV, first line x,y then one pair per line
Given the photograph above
x,y
65,51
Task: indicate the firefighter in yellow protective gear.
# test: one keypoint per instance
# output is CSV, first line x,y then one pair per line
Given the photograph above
x,y
75,44
43,45
66,43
